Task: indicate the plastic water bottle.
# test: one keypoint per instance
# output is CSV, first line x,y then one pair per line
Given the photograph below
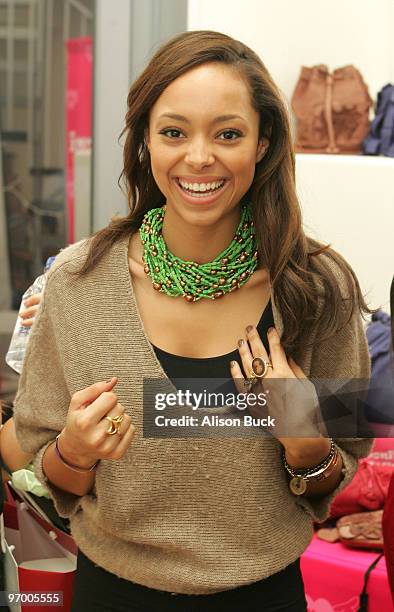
x,y
16,352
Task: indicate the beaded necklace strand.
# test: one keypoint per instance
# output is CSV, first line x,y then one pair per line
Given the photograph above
x,y
227,272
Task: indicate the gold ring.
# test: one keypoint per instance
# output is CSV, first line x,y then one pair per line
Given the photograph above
x,y
115,424
260,367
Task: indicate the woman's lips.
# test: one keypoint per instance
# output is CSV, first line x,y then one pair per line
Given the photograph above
x,y
202,199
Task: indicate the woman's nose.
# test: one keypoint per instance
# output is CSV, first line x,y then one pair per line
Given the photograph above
x,y
199,154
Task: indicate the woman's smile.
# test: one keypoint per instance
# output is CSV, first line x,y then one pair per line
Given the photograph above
x,y
201,192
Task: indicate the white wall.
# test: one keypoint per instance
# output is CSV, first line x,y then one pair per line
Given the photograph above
x,y
346,200
349,203
289,33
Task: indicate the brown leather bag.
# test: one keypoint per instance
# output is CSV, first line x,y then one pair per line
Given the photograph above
x,y
332,110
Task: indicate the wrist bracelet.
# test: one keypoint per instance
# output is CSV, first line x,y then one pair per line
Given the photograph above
x,y
76,468
321,471
311,471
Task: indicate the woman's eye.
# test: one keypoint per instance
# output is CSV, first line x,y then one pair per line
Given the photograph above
x,y
231,132
171,131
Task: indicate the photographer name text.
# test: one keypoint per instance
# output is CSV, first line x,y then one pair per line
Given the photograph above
x,y
214,421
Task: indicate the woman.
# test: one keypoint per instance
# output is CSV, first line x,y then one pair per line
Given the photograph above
x,y
211,256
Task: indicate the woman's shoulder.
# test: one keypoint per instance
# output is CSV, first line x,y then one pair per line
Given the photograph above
x,y
67,270
69,257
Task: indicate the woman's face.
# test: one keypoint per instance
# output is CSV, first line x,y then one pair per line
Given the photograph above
x,y
203,143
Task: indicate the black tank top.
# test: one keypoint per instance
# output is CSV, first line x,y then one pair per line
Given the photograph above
x,y
177,366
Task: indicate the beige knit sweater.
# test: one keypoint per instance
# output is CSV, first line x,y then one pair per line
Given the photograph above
x,y
180,515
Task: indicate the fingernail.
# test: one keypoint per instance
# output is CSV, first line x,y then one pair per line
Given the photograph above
x,y
109,380
240,342
233,364
249,328
271,329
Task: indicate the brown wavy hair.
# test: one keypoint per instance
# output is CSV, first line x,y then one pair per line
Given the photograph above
x,y
298,265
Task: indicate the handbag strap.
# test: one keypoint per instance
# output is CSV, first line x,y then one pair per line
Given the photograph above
x,y
332,148
363,601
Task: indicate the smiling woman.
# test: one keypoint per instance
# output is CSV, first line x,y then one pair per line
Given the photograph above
x,y
191,156
210,275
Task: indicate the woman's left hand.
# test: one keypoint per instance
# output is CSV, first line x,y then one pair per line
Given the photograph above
x,y
291,399
31,306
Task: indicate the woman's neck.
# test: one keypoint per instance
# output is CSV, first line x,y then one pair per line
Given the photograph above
x,y
197,243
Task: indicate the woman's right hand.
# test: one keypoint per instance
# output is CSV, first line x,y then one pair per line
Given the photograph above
x,y
85,439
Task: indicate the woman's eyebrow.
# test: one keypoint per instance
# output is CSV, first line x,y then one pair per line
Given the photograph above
x,y
218,119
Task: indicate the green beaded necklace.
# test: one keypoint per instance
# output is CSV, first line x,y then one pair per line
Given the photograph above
x,y
226,273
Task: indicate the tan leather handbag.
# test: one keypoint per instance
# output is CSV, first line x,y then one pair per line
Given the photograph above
x,y
332,110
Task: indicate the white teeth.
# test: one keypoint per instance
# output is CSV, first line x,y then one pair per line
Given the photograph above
x,y
201,187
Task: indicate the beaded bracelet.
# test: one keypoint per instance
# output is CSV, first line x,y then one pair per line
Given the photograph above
x,y
311,471
76,468
301,477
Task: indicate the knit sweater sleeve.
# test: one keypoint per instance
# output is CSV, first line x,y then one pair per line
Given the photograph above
x,y
43,396
344,357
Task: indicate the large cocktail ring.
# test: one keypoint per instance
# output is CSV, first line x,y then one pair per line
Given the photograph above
x,y
260,367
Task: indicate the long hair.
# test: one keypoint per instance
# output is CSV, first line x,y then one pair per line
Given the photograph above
x,y
293,260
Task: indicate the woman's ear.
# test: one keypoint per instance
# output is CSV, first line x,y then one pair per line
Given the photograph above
x,y
262,149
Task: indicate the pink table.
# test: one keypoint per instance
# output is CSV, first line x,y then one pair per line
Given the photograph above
x,y
334,576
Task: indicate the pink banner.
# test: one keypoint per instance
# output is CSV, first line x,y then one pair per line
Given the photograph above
x,y
78,114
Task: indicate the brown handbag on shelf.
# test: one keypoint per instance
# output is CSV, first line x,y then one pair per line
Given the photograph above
x,y
332,110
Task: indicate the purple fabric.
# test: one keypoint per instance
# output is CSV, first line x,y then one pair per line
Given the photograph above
x,y
380,138
380,400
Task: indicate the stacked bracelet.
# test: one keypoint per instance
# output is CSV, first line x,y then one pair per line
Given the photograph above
x,y
76,468
301,477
